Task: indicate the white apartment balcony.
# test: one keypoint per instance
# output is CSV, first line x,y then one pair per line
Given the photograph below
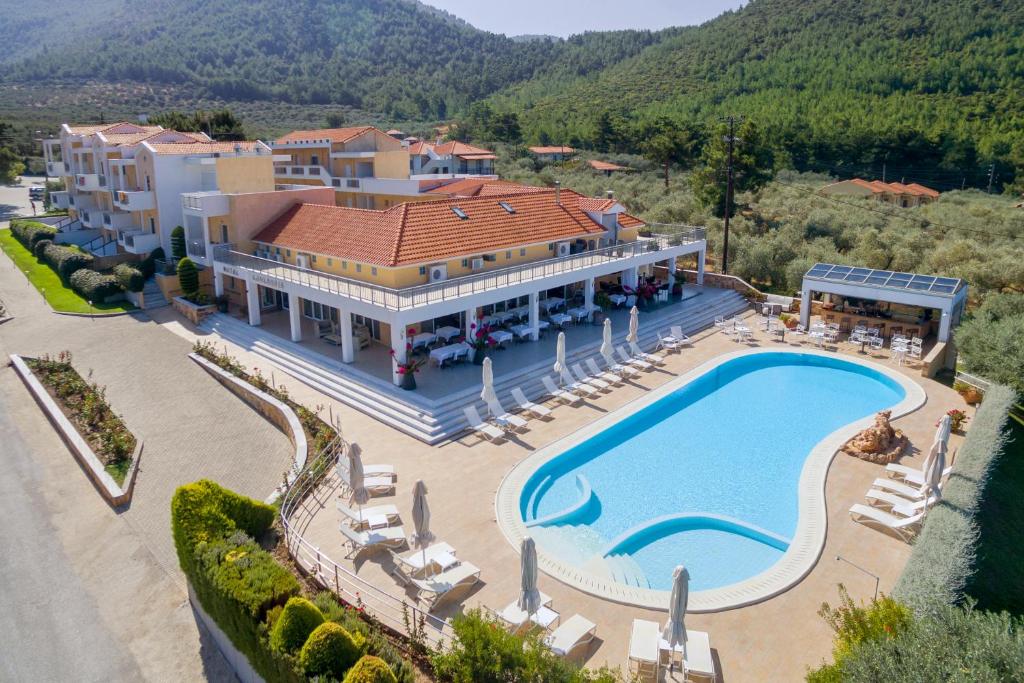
x,y
139,200
396,186
90,182
57,169
116,221
139,242
212,203
61,200
91,218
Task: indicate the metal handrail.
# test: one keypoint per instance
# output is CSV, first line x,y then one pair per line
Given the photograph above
x,y
422,295
308,494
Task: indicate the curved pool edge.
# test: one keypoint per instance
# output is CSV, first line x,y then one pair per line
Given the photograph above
x,y
812,521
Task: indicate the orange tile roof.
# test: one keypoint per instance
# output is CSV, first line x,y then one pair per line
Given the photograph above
x,y
494,187
552,150
473,187
628,220
420,147
203,147
926,191
122,127
161,135
596,204
331,134
422,232
607,166
877,187
459,149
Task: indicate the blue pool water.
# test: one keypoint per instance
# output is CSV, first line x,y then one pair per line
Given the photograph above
x,y
727,447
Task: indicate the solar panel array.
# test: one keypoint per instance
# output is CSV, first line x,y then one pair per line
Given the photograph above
x,y
885,279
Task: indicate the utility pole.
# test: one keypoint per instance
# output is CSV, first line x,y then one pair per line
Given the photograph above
x,y
731,139
991,176
883,171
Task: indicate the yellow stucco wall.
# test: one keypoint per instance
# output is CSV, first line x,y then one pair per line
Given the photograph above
x,y
245,174
391,164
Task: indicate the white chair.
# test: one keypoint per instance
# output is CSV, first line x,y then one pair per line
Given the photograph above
x,y
529,406
605,375
903,527
420,562
433,589
484,430
667,341
903,490
629,360
876,343
655,358
577,387
372,517
581,375
910,475
573,633
697,660
376,483
644,656
505,418
562,395
623,371
681,339
720,321
359,541
517,620
898,504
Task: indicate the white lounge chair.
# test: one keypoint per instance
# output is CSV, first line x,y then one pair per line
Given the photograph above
x,y
580,374
903,527
629,360
898,504
910,474
364,517
556,392
667,341
431,590
379,470
484,430
577,387
505,418
526,404
697,661
517,620
677,334
605,375
358,541
415,563
623,371
899,488
573,633
378,481
655,358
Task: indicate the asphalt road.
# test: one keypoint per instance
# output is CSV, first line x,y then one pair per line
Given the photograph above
x,y
14,200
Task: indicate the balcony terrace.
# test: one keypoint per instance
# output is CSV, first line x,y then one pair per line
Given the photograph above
x,y
137,200
90,182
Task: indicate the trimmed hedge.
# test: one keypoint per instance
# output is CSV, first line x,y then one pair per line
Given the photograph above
x,y
370,669
148,265
130,277
943,555
66,260
40,248
188,277
94,286
330,651
178,243
29,232
297,620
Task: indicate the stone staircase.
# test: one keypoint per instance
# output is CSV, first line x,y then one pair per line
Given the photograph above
x,y
435,421
153,296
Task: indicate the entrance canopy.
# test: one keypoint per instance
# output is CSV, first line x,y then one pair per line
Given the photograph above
x,y
946,294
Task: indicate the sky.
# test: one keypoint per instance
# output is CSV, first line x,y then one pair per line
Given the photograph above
x,y
566,17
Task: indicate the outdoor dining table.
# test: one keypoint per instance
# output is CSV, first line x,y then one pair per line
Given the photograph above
x,y
523,331
578,313
859,338
617,299
552,302
500,336
446,333
422,339
450,352
560,319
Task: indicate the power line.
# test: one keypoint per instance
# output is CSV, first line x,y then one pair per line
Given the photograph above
x,y
891,214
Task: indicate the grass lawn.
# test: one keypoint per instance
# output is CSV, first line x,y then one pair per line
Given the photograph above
x,y
998,582
48,282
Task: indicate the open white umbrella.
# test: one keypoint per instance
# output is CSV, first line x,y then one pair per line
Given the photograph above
x,y
422,536
487,395
356,478
560,367
675,628
634,325
529,596
606,342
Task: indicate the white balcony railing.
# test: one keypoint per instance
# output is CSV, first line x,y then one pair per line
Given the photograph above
x,y
137,200
456,288
116,221
212,203
61,200
141,242
57,168
90,182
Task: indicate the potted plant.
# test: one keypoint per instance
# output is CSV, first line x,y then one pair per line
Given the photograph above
x,y
957,418
408,368
480,340
602,301
677,289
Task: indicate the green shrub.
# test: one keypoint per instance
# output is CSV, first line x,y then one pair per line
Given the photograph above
x,y
40,248
330,651
293,626
370,669
93,286
376,643
943,556
130,277
178,244
148,265
29,232
66,260
188,277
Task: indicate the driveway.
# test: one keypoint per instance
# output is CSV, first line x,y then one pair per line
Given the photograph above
x,y
14,199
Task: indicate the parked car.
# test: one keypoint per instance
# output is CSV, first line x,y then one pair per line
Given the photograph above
x,y
36,192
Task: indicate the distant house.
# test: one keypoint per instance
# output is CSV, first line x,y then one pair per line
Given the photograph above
x,y
607,167
552,153
899,194
450,158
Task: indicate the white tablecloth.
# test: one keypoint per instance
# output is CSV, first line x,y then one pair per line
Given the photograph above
x,y
578,313
552,302
500,336
560,318
422,339
446,333
617,299
449,352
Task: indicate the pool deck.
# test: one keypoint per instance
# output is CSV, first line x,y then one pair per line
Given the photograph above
x,y
777,639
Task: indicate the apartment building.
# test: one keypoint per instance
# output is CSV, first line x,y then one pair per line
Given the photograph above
x,y
449,158
123,181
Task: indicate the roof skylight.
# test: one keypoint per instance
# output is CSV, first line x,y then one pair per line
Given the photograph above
x,y
460,213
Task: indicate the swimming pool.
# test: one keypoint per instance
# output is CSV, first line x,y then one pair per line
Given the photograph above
x,y
705,472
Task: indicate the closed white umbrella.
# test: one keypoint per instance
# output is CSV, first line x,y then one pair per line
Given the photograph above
x,y
560,366
675,628
933,474
487,395
356,478
606,343
529,596
634,325
940,444
422,536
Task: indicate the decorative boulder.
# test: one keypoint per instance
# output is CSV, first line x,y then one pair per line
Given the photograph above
x,y
879,443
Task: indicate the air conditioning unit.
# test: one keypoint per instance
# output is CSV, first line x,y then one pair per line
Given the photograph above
x,y
477,264
562,248
439,272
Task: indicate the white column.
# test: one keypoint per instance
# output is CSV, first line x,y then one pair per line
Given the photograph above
x,y
398,346
588,296
470,320
629,278
805,307
535,315
700,267
348,345
670,265
252,302
218,283
944,325
295,317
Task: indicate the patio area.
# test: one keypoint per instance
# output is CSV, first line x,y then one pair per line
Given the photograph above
x,y
462,477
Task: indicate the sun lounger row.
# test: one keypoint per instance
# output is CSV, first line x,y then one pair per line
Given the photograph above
x,y
564,638
649,652
899,503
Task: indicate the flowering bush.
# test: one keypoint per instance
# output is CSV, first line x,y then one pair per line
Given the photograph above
x,y
480,336
957,418
410,364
